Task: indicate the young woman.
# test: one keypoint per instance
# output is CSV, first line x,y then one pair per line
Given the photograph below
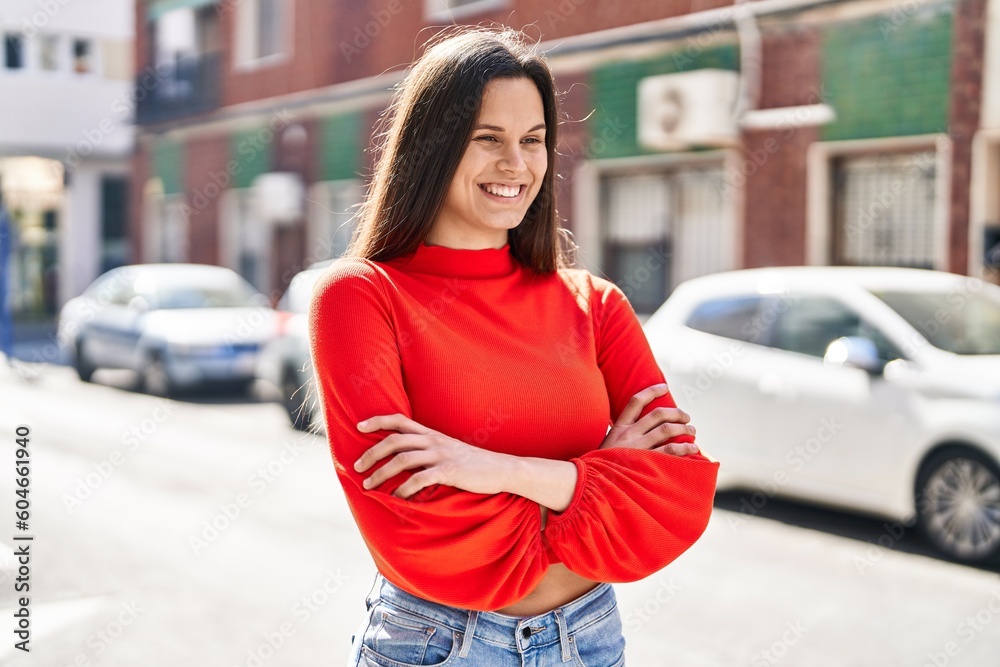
x,y
469,376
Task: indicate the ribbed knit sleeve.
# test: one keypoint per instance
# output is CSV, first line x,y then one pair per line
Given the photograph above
x,y
633,511
443,544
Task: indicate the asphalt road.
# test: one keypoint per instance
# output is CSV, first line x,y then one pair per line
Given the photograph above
x,y
207,532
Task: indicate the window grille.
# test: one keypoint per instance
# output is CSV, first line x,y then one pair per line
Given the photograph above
x,y
662,228
883,210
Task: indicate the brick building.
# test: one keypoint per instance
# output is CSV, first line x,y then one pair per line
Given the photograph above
x,y
700,136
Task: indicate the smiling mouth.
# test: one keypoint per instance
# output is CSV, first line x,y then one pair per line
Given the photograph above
x,y
503,192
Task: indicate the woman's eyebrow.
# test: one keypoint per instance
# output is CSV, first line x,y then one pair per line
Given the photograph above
x,y
495,128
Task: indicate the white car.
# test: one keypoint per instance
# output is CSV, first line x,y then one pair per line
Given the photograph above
x,y
285,366
177,325
869,389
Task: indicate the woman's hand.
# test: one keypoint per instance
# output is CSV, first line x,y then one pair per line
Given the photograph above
x,y
444,460
647,433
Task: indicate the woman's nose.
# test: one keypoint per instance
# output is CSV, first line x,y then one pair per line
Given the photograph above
x,y
512,160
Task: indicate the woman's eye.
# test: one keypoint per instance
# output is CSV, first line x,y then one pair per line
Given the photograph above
x,y
533,140
486,137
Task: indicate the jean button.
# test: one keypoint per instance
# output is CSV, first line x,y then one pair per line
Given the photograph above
x,y
526,632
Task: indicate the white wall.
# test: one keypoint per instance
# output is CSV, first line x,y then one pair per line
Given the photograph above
x,y
80,232
80,241
68,120
175,33
63,114
107,18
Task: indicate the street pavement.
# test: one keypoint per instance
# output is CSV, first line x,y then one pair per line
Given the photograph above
x,y
208,532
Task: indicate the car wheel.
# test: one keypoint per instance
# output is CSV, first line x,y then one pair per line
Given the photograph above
x,y
244,387
81,363
294,395
155,380
958,504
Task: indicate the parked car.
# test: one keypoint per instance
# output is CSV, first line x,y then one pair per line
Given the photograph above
x,y
177,325
285,366
870,389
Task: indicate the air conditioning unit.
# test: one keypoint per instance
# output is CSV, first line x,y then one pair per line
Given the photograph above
x,y
677,111
280,197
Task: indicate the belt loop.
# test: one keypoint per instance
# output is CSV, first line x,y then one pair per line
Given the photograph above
x,y
470,630
368,598
563,635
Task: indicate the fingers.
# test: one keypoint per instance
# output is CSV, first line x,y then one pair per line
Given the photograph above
x,y
664,415
394,443
403,461
664,432
395,422
668,431
417,482
635,404
678,448
661,434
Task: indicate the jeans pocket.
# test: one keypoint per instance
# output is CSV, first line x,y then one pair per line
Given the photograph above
x,y
600,644
399,639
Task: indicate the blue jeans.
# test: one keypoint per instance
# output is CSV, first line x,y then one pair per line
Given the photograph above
x,y
403,630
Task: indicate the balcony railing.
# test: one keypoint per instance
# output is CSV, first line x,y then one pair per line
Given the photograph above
x,y
183,87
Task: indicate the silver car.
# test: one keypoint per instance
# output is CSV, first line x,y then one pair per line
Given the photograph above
x,y
285,367
178,326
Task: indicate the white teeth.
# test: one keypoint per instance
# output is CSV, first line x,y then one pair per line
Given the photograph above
x,y
510,191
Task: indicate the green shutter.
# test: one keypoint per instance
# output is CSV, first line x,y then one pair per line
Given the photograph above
x,y
340,146
888,75
168,164
251,151
613,126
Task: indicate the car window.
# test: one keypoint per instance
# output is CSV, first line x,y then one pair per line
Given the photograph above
x,y
808,325
739,317
190,296
962,321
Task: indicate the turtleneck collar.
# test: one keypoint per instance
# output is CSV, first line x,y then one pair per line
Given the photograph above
x,y
457,262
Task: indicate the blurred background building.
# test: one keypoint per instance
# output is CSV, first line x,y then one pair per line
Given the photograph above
x,y
66,132
700,136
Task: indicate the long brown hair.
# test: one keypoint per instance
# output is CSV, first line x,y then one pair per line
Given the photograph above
x,y
424,132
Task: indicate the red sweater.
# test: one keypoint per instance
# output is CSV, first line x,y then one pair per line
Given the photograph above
x,y
474,345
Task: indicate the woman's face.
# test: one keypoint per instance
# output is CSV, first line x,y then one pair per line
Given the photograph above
x,y
501,170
